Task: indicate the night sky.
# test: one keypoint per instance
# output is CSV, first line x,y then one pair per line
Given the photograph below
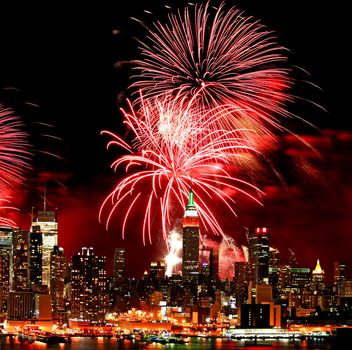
x,y
58,66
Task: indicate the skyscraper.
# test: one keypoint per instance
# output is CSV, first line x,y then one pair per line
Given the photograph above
x,y
89,299
57,282
190,241
339,271
46,224
119,267
35,258
6,263
258,251
21,280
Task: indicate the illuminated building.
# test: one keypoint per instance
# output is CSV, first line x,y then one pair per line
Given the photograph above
x,y
274,257
57,282
190,241
299,277
20,305
119,266
255,316
318,274
157,269
6,263
263,293
35,258
339,271
241,281
258,251
89,299
21,280
46,224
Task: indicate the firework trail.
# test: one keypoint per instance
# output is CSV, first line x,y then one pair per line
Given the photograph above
x,y
14,154
4,209
225,58
168,158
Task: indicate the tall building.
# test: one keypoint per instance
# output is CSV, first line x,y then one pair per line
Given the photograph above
x,y
318,274
190,241
157,269
119,267
213,265
46,224
339,271
6,263
35,258
89,300
21,280
57,282
241,281
258,253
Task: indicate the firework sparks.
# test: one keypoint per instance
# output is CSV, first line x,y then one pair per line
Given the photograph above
x,y
225,58
173,258
168,159
14,154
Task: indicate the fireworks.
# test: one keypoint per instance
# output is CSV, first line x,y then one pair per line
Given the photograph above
x,y
223,58
173,258
14,154
167,159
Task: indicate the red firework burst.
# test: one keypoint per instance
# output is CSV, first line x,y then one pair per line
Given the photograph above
x,y
14,154
223,58
170,154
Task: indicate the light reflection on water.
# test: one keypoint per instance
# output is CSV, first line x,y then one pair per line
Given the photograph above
x,y
195,343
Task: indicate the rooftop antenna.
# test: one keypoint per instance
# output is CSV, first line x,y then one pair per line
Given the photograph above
x,y
45,196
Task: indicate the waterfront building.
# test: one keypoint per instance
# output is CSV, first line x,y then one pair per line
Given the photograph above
x,y
6,264
89,300
57,283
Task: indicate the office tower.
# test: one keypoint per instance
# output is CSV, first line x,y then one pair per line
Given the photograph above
x,y
35,258
21,280
57,282
190,241
213,265
339,271
274,257
89,299
318,274
299,277
258,251
241,281
46,224
20,305
263,293
119,267
6,263
157,269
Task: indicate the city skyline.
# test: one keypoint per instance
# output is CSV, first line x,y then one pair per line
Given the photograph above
x,y
312,214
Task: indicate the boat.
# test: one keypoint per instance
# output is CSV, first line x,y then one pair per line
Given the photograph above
x,y
52,338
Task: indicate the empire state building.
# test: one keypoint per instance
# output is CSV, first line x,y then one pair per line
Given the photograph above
x,y
190,241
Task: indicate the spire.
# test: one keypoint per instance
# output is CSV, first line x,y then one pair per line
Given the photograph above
x,y
45,196
191,210
318,269
190,203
